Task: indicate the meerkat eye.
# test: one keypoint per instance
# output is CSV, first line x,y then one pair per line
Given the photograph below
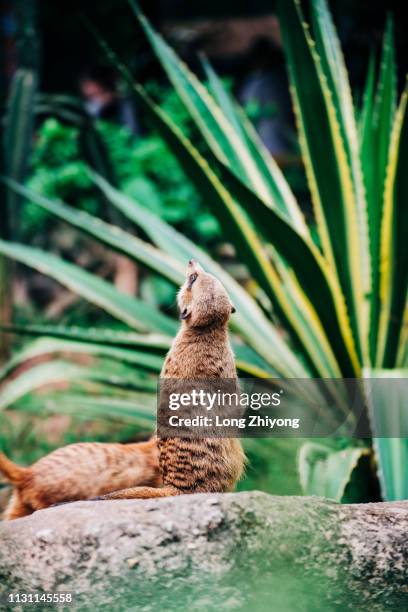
x,y
191,279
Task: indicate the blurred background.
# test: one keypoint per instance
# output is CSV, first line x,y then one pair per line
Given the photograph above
x,y
79,111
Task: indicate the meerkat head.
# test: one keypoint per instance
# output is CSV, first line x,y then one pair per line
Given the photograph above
x,y
202,300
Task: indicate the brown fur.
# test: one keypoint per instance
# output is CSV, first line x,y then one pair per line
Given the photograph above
x,y
160,467
201,350
79,471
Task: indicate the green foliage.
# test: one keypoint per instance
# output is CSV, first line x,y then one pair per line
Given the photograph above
x,y
327,470
321,288
16,129
57,171
143,167
271,466
26,436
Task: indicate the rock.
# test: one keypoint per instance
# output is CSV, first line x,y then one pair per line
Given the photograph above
x,y
242,551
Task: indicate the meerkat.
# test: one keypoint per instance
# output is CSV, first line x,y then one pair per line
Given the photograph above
x,y
78,472
200,351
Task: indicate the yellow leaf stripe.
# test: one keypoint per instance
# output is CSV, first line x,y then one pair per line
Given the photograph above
x,y
386,247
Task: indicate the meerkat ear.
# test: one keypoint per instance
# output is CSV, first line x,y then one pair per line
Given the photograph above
x,y
233,309
185,313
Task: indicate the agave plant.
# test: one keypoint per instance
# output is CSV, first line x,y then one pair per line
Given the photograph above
x,y
341,297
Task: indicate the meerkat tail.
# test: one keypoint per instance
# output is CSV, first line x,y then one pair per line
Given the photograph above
x,y
11,471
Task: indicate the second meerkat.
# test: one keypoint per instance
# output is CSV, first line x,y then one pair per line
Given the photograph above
x,y
201,350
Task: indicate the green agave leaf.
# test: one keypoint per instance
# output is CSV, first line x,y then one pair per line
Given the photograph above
x,y
365,122
402,356
111,235
309,327
329,174
319,293
59,371
125,308
49,346
387,403
367,151
332,61
38,376
282,197
392,456
196,98
249,363
213,123
384,111
326,471
249,319
138,410
374,204
394,244
221,96
152,343
313,334
120,377
379,132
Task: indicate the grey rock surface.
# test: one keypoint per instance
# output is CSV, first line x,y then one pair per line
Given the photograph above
x,y
238,551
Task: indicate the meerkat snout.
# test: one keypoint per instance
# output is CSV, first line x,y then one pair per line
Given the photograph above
x,y
202,299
